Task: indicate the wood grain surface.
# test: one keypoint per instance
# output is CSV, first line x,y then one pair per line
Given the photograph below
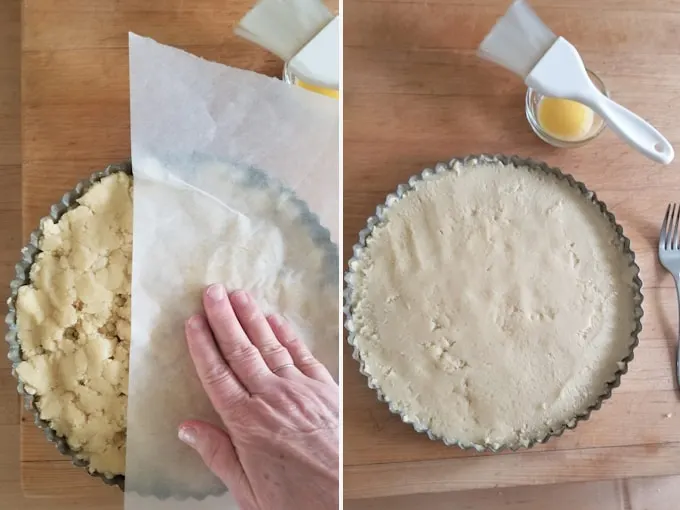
x,y
10,238
415,93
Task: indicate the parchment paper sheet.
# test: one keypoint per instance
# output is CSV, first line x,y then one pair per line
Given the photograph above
x,y
215,153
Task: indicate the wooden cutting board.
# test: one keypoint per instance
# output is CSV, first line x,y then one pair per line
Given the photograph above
x,y
75,120
414,94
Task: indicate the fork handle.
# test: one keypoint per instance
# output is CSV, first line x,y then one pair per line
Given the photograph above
x,y
676,277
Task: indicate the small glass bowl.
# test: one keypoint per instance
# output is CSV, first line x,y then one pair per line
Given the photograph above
x,y
533,99
287,76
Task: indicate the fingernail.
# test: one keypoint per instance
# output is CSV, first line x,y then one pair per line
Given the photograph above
x,y
275,319
187,435
195,322
216,292
240,297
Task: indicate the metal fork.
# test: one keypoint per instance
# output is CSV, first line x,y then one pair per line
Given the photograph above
x,y
669,255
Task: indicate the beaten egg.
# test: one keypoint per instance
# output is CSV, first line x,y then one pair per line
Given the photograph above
x,y
565,119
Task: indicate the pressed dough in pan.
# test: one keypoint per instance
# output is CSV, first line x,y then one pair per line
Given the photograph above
x,y
493,304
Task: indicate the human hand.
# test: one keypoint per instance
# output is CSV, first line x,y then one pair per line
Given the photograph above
x,y
279,406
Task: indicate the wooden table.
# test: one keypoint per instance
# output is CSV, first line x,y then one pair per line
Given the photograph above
x,y
415,94
75,114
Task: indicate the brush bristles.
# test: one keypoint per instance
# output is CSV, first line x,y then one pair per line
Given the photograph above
x,y
518,40
284,26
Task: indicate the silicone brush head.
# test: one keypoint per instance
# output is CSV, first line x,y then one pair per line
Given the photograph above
x,y
284,27
518,40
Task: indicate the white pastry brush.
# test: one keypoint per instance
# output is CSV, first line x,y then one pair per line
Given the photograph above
x,y
304,33
522,43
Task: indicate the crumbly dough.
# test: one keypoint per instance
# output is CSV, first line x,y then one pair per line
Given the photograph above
x,y
74,324
493,304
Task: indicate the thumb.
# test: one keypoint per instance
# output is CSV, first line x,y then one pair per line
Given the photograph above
x,y
217,451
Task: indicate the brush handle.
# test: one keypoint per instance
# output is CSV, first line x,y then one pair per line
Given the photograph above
x,y
561,73
636,131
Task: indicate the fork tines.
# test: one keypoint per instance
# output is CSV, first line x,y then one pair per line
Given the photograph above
x,y
668,239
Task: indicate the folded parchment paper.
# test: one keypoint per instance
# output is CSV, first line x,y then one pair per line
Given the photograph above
x,y
227,166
